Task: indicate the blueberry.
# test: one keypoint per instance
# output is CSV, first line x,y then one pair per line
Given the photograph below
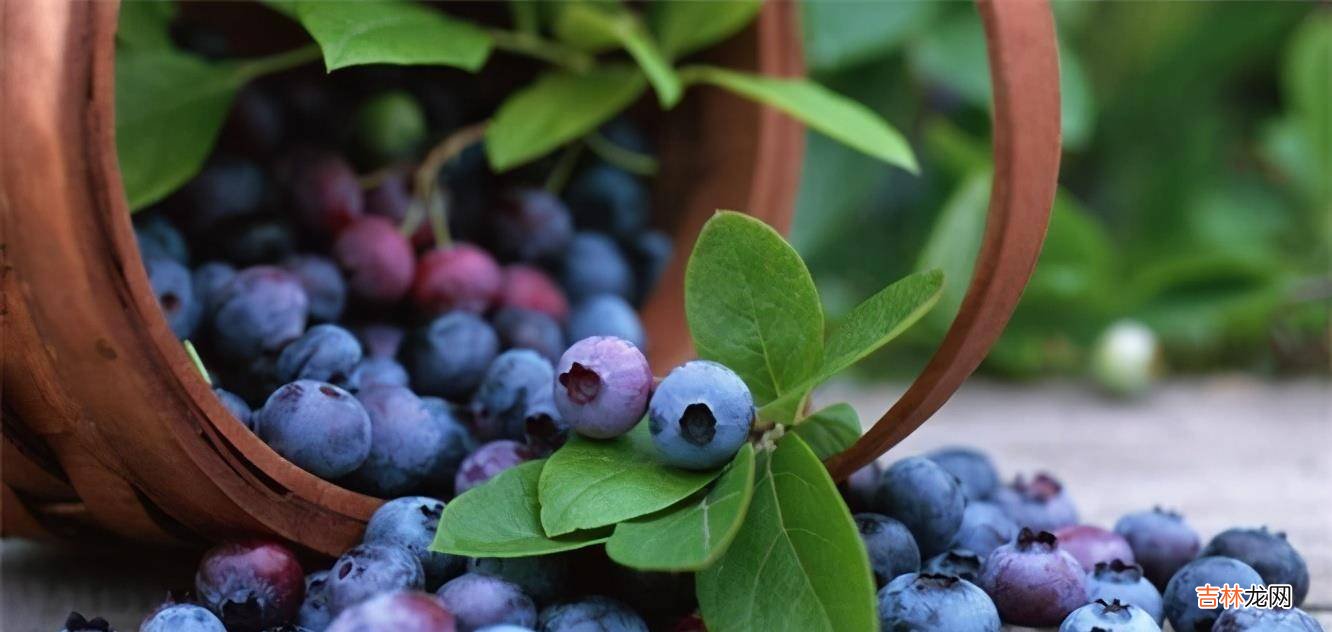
x,y
1101,615
608,199
544,577
1032,581
592,265
985,527
858,488
461,277
227,188
209,282
378,261
397,611
410,522
602,386
959,562
1090,545
258,240
457,444
592,613
627,134
926,498
450,355
531,224
236,406
1181,597
650,252
1040,504
367,570
380,340
1124,358
1162,542
479,600
936,602
372,371
488,461
182,617
76,622
972,468
528,288
390,126
175,294
326,353
606,315
1262,620
314,613
526,329
261,310
255,124
317,426
323,285
1117,580
159,239
391,199
1268,553
892,549
407,445
250,585
325,193
517,381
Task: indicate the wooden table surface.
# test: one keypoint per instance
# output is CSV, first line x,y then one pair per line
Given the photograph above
x,y
1226,451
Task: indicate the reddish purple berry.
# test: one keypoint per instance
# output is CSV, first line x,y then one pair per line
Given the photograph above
x,y
367,570
325,194
462,277
526,287
1040,504
250,585
488,461
398,611
602,386
377,260
1033,582
1090,545
391,199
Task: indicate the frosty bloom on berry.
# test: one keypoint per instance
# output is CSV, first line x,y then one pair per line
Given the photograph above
x,y
602,386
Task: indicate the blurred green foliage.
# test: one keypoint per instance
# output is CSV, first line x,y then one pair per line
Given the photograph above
x,y
1195,186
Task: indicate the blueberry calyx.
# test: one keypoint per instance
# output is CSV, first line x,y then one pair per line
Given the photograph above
x,y
697,425
581,383
1028,540
76,623
935,580
1118,570
1113,606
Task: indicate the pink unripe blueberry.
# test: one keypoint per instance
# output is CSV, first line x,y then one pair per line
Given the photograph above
x,y
377,260
462,277
602,386
1089,545
529,288
250,585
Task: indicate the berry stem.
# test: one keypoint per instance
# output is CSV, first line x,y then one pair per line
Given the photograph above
x,y
438,211
531,45
624,158
563,169
426,183
277,63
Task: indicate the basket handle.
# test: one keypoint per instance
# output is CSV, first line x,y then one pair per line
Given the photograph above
x,y
1024,75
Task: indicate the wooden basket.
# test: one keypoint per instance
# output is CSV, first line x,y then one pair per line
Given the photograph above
x,y
109,427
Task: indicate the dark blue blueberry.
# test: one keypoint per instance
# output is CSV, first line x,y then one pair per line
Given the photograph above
x,y
226,189
591,613
236,406
478,600
327,353
1263,620
517,381
985,527
650,253
1117,580
259,312
317,426
1101,615
377,370
606,315
959,562
935,602
323,285
182,617
380,340
255,124
76,622
592,265
1032,582
175,294
1268,553
457,444
210,281
544,577
527,329
407,444
487,461
926,498
314,613
1181,596
367,570
1040,504
892,549
627,134
531,224
700,415
258,240
608,199
449,357
157,237
1162,542
410,522
601,387
858,489
972,468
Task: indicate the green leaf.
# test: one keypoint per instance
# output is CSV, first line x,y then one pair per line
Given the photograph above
x,y
609,20
556,109
841,34
169,109
502,519
830,431
821,109
798,562
684,27
144,24
692,535
391,32
1305,85
591,483
752,306
954,242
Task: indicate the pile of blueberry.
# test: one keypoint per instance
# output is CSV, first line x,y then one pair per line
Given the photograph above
x,y
953,549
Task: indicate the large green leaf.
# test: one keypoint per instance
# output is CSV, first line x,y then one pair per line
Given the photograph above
x,y
391,32
840,34
798,562
953,244
144,24
590,483
752,306
502,519
613,21
684,27
838,117
558,108
1305,84
693,534
830,430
